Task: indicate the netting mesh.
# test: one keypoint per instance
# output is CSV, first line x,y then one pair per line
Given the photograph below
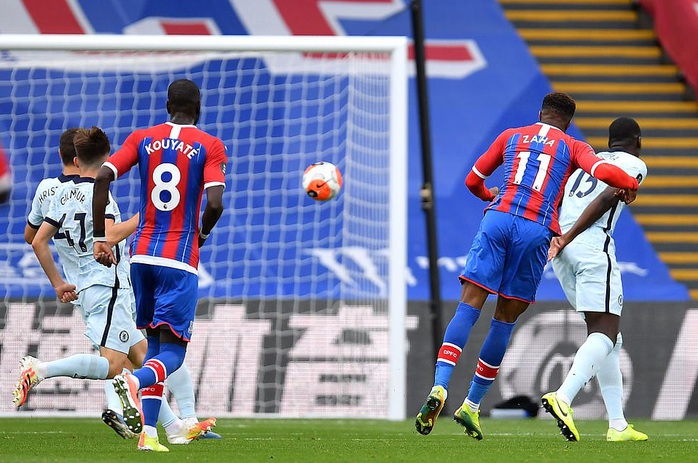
x,y
293,293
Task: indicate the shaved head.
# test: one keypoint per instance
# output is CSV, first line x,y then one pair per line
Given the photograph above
x,y
184,100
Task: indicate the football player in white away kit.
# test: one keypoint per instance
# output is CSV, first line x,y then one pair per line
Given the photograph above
x,y
44,195
590,277
82,365
106,302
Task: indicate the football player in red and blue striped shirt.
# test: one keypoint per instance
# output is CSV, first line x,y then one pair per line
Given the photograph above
x,y
177,163
509,251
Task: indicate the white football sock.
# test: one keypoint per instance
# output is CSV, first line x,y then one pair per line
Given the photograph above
x,y
611,384
113,401
166,417
180,385
587,362
78,366
174,427
150,431
471,405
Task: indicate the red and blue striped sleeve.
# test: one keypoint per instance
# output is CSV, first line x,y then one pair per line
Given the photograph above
x,y
485,165
583,156
127,157
216,165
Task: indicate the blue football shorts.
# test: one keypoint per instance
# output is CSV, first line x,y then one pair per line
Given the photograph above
x,y
165,296
508,256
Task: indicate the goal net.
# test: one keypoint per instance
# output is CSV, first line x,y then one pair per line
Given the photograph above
x,y
302,303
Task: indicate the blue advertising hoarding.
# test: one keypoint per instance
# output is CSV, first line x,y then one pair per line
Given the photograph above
x,y
482,80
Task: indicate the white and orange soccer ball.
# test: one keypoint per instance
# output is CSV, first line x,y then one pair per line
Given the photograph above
x,y
322,181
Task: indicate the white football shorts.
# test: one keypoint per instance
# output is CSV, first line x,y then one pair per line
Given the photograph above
x,y
108,316
590,278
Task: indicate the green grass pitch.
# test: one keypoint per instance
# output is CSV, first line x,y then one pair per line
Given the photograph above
x,y
273,440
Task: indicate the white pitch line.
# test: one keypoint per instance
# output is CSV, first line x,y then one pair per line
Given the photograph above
x,y
33,432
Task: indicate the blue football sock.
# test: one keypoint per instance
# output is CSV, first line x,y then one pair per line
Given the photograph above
x,y
180,385
145,374
455,338
153,347
151,399
491,355
156,369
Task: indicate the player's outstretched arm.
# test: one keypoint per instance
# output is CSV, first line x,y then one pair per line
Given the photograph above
x,y
598,207
64,291
212,212
117,232
615,177
603,170
102,251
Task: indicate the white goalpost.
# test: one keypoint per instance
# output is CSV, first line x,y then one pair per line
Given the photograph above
x,y
302,307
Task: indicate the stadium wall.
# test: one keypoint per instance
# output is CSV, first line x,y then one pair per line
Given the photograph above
x,y
676,23
249,361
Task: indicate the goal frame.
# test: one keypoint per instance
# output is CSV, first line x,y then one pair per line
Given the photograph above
x,y
395,47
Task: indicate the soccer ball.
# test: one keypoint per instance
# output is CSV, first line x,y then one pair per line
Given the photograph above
x,y
322,181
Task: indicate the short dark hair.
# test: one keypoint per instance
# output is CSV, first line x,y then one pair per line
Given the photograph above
x,y
183,95
624,131
91,146
561,103
66,147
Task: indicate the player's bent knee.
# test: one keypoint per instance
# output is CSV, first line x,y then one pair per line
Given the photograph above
x,y
136,355
117,367
509,310
473,294
168,337
117,361
604,323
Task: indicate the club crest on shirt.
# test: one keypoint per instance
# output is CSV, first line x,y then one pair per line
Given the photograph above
x,y
223,167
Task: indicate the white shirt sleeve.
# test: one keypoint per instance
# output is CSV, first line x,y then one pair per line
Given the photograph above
x,y
112,210
35,216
